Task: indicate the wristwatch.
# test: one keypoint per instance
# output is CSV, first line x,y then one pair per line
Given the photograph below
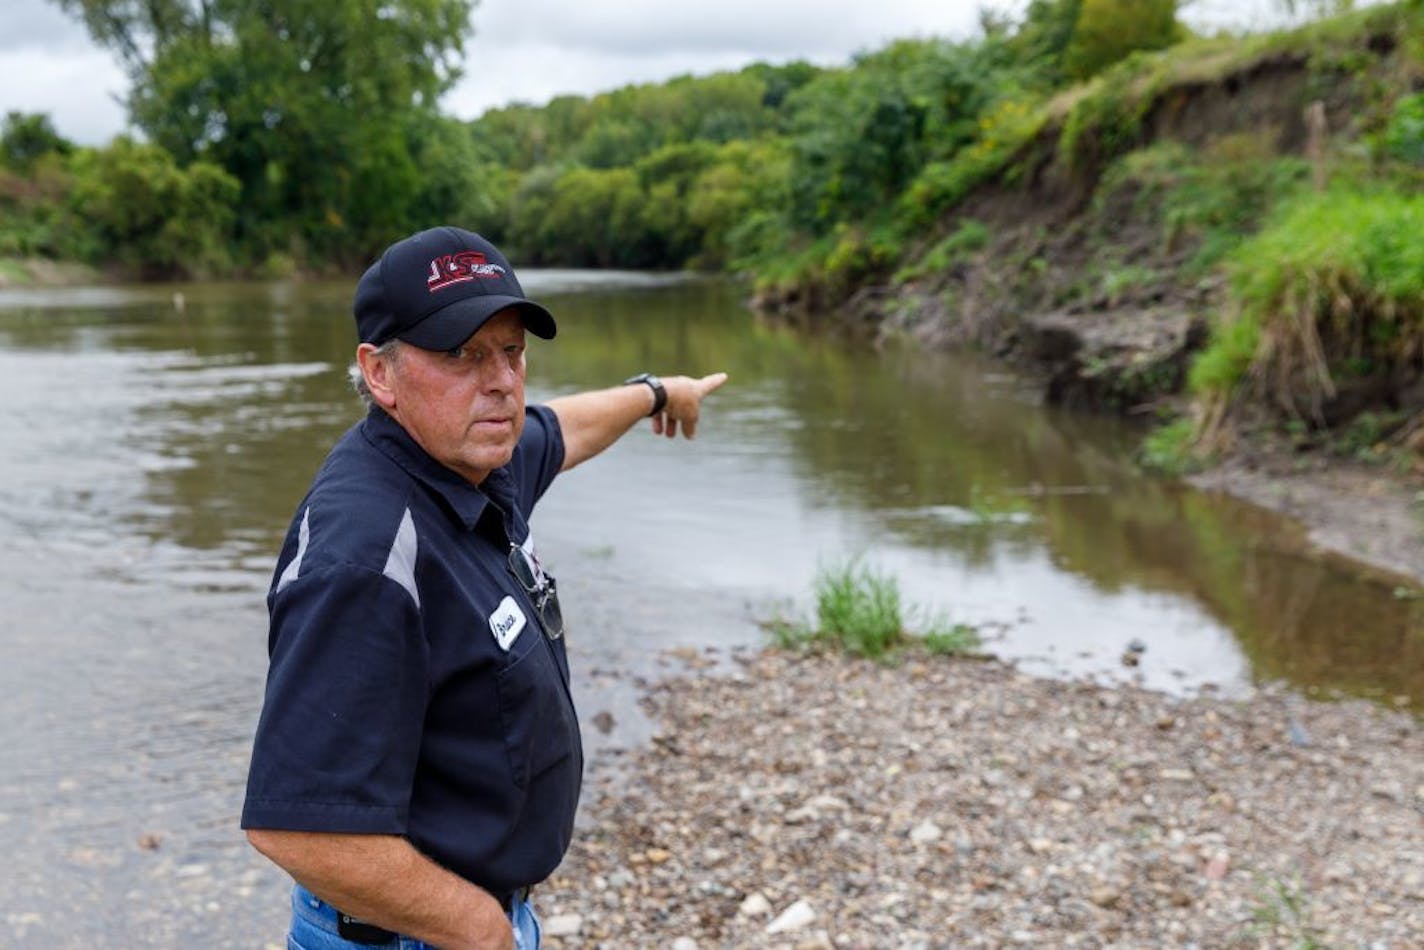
x,y
656,385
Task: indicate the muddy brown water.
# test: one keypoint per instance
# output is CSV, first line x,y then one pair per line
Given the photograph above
x,y
152,456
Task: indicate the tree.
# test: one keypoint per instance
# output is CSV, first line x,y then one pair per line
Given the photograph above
x,y
861,134
312,105
25,138
1108,30
1042,39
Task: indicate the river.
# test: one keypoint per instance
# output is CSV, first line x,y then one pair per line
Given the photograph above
x,y
158,439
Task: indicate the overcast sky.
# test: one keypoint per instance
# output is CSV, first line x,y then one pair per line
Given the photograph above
x,y
531,50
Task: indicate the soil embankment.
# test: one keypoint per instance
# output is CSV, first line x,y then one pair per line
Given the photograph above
x,y
1088,273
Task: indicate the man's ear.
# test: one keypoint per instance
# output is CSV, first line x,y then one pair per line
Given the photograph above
x,y
378,372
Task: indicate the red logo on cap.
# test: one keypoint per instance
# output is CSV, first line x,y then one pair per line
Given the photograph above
x,y
457,268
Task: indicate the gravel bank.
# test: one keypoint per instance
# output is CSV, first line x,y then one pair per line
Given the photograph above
x,y
819,801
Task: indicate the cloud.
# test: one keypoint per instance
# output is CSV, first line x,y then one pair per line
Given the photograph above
x,y
783,29
533,50
39,25
536,73
77,88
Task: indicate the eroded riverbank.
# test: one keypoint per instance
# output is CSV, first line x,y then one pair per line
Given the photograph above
x,y
962,803
1363,512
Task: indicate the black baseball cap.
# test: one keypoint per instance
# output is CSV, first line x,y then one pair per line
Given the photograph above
x,y
436,288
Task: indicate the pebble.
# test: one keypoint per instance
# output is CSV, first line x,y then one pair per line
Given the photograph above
x,y
796,917
563,925
1079,818
755,905
926,833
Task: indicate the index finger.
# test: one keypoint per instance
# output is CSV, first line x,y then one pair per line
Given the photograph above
x,y
710,383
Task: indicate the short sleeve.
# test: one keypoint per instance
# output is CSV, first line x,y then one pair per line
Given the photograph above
x,y
539,456
339,736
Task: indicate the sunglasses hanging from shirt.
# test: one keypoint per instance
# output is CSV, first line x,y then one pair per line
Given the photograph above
x,y
544,593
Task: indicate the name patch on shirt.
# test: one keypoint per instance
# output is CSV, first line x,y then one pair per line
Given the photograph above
x,y
506,623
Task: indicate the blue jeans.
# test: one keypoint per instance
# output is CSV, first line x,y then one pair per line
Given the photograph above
x,y
314,927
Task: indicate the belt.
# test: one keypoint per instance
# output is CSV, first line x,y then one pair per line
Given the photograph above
x,y
359,931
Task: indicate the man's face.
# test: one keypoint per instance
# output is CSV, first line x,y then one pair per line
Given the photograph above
x,y
465,406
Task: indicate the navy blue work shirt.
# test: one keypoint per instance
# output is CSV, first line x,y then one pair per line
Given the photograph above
x,y
412,689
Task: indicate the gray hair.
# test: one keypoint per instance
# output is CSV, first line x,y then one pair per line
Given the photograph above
x,y
389,350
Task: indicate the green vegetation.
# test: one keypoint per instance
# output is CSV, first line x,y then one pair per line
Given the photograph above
x,y
858,610
1209,199
1330,292
1404,136
955,248
1170,448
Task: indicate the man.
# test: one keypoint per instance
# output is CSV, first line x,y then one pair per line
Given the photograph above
x,y
417,763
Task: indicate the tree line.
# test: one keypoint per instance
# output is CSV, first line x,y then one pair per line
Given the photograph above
x,y
280,136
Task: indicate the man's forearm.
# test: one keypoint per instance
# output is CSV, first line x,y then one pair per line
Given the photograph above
x,y
384,880
592,421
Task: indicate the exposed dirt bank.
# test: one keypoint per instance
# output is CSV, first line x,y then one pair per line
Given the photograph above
x,y
1083,277
1366,513
819,801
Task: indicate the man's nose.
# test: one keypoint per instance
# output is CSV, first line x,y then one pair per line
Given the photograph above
x,y
502,375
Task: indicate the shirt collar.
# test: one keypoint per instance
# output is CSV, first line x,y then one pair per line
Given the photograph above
x,y
467,502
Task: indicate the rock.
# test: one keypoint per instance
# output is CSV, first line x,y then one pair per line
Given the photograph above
x,y
926,832
797,916
1217,868
755,905
150,841
1080,816
1105,896
563,925
801,816
603,720
684,943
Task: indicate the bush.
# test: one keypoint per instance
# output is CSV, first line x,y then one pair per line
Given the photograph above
x,y
1003,133
1404,136
1340,272
152,215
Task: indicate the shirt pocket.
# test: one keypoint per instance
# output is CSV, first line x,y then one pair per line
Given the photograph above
x,y
539,727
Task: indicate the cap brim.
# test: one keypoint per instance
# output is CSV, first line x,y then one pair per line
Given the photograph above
x,y
450,326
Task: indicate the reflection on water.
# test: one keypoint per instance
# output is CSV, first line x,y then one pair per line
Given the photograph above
x,y
153,456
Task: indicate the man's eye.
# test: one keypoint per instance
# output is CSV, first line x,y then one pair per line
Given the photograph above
x,y
456,352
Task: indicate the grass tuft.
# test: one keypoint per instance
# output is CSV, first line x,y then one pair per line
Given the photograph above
x,y
859,610
1336,272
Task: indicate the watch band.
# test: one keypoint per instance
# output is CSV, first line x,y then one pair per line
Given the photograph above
x,y
656,385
